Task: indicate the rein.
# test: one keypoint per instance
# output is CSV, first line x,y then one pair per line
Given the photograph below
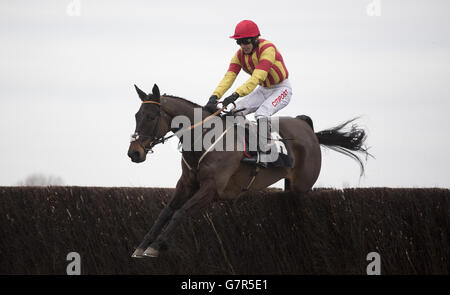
x,y
162,139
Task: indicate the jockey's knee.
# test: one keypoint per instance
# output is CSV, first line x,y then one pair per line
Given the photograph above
x,y
264,111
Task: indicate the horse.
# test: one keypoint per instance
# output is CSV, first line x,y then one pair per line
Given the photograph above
x,y
214,175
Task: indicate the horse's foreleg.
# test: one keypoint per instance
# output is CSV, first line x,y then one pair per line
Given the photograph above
x,y
162,219
184,190
199,200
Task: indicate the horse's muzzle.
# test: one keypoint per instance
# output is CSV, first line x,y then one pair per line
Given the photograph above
x,y
136,155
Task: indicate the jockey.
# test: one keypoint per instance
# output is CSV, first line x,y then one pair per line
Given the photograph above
x,y
262,60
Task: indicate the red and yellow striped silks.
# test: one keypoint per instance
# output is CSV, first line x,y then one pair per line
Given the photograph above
x,y
265,65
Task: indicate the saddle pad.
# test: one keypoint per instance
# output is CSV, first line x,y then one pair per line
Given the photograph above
x,y
284,158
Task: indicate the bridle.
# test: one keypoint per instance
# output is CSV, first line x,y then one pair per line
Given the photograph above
x,y
157,140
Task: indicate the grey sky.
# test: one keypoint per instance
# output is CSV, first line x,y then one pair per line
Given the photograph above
x,y
67,103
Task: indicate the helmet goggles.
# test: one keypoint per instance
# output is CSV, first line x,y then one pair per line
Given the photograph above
x,y
244,41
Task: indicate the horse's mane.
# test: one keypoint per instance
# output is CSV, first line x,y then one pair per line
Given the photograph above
x,y
183,99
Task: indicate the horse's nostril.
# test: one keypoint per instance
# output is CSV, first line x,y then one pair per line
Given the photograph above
x,y
133,155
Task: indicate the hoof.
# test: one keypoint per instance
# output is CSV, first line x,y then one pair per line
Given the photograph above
x,y
138,253
151,252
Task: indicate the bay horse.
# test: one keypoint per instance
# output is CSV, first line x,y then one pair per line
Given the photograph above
x,y
221,174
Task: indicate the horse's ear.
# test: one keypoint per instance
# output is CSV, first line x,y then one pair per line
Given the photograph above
x,y
141,93
155,93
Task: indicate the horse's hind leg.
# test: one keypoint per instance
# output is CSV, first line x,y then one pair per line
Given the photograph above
x,y
287,184
184,190
303,179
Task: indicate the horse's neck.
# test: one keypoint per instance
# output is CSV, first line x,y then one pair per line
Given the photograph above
x,y
174,107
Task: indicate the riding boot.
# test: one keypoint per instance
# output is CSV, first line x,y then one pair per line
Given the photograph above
x,y
256,159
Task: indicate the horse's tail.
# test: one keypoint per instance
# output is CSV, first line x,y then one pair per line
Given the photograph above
x,y
346,142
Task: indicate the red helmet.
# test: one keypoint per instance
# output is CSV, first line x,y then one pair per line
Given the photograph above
x,y
244,29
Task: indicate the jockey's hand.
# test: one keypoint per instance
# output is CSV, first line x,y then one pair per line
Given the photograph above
x,y
230,99
211,106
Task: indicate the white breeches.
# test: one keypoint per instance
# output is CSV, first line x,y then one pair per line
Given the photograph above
x,y
266,101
